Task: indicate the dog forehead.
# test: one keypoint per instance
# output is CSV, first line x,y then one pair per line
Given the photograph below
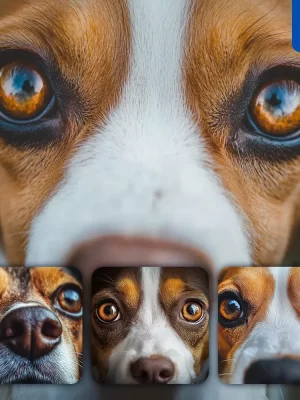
x,y
255,284
175,281
46,280
124,282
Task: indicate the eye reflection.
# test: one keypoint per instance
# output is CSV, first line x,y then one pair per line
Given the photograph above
x,y
276,108
24,92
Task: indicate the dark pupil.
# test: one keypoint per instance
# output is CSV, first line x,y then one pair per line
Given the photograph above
x,y
233,306
109,310
24,83
274,101
193,309
71,296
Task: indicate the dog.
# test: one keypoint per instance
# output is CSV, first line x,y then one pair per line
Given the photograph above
x,y
40,326
151,119
259,325
148,131
150,325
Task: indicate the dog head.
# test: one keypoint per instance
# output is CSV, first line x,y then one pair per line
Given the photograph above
x,y
40,326
172,120
150,325
259,325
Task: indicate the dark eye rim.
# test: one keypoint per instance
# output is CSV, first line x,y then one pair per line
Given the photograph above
x,y
57,306
103,301
203,307
48,110
231,295
48,130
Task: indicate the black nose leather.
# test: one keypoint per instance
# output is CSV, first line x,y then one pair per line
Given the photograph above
x,y
31,332
153,370
276,371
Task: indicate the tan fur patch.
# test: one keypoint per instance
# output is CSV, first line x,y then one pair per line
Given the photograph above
x,y
129,289
172,289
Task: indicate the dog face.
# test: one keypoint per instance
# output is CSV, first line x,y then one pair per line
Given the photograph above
x,y
40,326
259,325
149,118
150,324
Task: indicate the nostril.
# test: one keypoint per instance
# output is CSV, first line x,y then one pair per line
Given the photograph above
x,y
16,329
51,329
166,373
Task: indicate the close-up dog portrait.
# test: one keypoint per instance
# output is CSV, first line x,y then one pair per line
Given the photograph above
x,y
40,325
149,132
259,329
150,325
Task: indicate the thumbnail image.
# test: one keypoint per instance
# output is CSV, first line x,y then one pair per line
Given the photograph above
x,y
259,329
150,325
40,325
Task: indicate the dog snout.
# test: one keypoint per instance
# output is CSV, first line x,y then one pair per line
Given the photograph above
x,y
157,370
31,332
110,251
274,371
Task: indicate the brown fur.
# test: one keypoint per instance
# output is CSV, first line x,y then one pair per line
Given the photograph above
x,y
90,46
255,285
226,41
178,285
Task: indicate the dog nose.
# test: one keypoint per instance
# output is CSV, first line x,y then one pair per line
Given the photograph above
x,y
111,251
277,371
153,370
30,332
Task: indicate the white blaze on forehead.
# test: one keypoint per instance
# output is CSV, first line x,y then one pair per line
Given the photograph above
x,y
278,334
146,172
151,334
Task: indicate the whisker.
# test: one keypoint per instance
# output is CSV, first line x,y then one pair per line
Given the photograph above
x,y
280,390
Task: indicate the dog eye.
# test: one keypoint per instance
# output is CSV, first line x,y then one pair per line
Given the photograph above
x,y
230,309
192,311
25,93
275,110
233,311
108,312
70,301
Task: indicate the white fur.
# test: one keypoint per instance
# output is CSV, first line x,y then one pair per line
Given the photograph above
x,y
151,334
147,171
278,334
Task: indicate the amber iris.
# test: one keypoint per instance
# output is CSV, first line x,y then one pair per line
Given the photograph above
x,y
70,300
108,312
230,309
24,92
276,108
192,311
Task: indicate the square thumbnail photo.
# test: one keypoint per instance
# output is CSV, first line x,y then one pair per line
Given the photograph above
x,y
40,325
150,325
259,329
